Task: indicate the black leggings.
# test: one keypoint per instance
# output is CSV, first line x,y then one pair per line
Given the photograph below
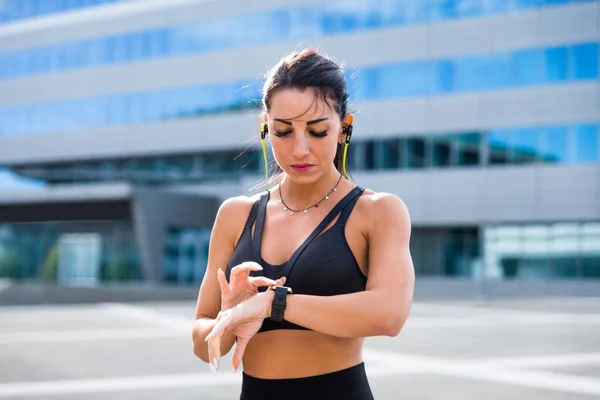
x,y
347,384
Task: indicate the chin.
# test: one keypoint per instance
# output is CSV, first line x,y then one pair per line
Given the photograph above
x,y
303,177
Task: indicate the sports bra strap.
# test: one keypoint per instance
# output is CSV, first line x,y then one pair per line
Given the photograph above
x,y
252,215
348,209
258,229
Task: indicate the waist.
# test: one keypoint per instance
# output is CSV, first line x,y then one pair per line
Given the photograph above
x,y
299,353
349,383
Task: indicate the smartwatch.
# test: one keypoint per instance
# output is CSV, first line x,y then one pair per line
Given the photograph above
x,y
279,302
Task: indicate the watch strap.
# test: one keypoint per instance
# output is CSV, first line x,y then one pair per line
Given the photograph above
x,y
279,303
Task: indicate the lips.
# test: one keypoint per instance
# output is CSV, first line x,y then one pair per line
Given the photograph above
x,y
302,167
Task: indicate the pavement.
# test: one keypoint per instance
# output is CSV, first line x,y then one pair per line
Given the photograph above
x,y
533,348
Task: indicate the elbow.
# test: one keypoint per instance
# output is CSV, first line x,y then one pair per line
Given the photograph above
x,y
397,316
394,327
200,353
199,346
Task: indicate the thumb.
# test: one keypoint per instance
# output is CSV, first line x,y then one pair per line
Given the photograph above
x,y
259,281
222,282
281,281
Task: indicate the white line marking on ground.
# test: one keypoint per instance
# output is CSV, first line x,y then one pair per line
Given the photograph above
x,y
481,370
534,379
146,315
546,361
4,284
489,312
408,364
103,385
491,321
86,335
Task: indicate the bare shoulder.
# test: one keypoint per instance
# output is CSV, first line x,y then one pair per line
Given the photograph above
x,y
380,210
237,204
232,215
234,208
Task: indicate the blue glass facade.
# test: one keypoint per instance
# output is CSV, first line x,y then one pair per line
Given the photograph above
x,y
13,10
577,62
293,23
568,144
540,251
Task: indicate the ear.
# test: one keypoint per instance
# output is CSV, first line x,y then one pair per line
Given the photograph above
x,y
348,120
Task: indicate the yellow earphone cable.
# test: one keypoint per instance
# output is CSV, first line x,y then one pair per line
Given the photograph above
x,y
344,160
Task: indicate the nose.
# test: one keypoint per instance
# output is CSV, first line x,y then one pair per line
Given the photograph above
x,y
300,150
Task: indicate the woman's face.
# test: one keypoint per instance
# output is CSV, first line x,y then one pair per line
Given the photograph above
x,y
304,133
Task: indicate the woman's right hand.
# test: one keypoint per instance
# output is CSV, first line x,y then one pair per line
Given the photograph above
x,y
241,285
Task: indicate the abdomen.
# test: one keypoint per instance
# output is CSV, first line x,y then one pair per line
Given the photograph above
x,y
283,354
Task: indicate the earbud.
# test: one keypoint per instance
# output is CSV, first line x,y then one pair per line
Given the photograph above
x,y
348,131
264,129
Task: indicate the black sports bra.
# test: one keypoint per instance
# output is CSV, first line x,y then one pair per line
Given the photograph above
x,y
323,265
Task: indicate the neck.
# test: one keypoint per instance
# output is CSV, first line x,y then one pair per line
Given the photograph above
x,y
299,196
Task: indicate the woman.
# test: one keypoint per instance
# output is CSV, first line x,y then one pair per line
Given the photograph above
x,y
343,251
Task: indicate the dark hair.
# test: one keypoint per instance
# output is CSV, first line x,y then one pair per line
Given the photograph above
x,y
309,69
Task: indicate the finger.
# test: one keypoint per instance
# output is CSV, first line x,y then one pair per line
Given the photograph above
x,y
281,281
238,353
215,345
245,268
223,322
210,356
222,282
259,281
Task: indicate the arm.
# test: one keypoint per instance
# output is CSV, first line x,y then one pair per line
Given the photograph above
x,y
383,307
222,241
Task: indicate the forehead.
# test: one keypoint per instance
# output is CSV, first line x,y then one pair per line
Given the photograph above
x,y
299,105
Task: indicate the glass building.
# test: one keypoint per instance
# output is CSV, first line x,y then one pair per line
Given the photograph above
x,y
136,119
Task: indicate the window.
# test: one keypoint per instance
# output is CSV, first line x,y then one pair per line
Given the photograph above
x,y
409,79
293,23
469,8
583,60
185,254
442,9
416,152
418,78
467,75
525,146
391,77
554,144
556,64
495,71
365,84
445,76
587,142
494,6
390,153
499,147
417,11
441,151
527,3
469,149
369,155
528,67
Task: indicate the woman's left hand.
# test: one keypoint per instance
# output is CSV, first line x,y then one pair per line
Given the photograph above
x,y
244,320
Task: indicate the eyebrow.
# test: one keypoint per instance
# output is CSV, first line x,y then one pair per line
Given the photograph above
x,y
314,121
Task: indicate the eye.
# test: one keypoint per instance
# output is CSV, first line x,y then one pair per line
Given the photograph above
x,y
282,133
319,134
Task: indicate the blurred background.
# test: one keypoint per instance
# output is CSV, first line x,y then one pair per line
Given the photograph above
x,y
125,123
